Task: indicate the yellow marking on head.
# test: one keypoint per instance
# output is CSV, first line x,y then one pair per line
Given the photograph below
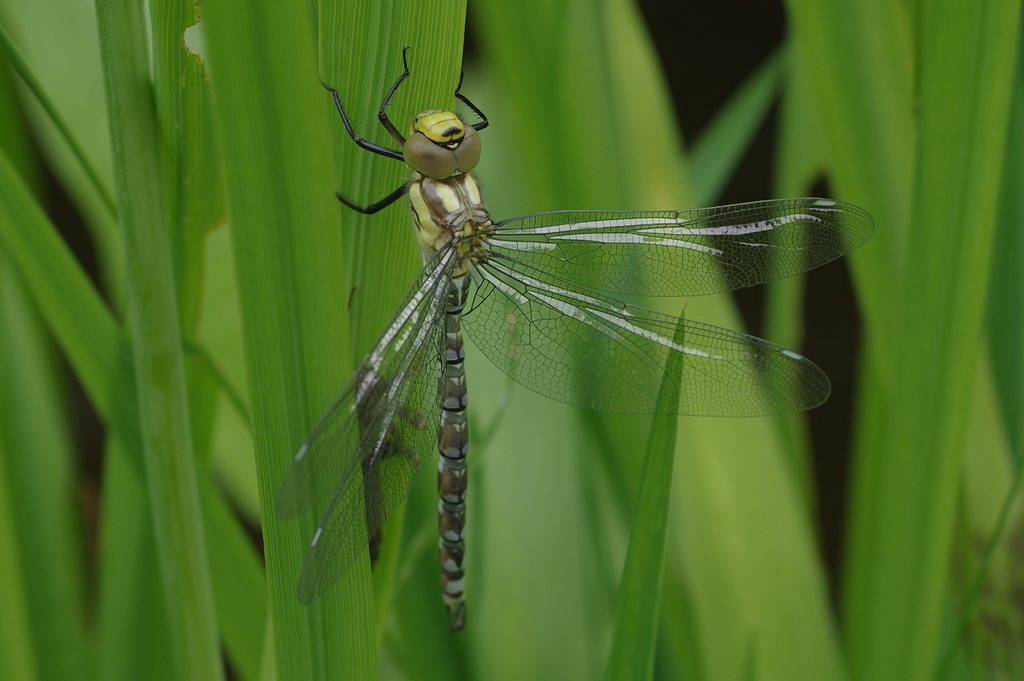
x,y
440,146
440,127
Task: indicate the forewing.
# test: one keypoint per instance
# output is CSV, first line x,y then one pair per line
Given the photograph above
x,y
363,455
685,252
579,347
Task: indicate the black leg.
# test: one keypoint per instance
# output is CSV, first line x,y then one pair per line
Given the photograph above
x,y
369,146
458,95
382,115
374,207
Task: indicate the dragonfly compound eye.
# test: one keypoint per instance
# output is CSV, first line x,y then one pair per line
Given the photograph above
x,y
440,146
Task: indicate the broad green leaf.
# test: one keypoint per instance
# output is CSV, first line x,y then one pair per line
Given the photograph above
x,y
380,252
274,145
898,558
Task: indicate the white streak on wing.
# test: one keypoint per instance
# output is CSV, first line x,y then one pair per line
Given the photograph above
x,y
647,230
651,335
505,288
404,336
566,308
616,223
530,281
747,228
377,354
570,310
601,309
425,328
522,245
638,237
391,409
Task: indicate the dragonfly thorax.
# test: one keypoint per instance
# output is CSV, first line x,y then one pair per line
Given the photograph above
x,y
440,146
447,210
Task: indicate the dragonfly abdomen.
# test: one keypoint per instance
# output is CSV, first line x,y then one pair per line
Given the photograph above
x,y
452,447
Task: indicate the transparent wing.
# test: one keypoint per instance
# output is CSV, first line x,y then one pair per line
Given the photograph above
x,y
579,347
363,455
685,252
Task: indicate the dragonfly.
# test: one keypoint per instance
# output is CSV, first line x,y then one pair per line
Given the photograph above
x,y
536,295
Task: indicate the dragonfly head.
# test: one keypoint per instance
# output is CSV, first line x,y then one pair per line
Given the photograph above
x,y
439,145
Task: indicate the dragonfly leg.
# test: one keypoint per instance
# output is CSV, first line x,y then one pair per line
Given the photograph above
x,y
369,146
458,95
374,207
382,115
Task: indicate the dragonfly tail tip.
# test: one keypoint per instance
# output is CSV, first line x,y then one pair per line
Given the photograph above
x,y
457,617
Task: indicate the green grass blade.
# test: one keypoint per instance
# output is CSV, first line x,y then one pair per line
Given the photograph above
x,y
988,559
858,60
88,337
897,586
156,343
40,459
1006,290
722,143
239,585
128,568
195,205
40,470
60,41
798,163
21,65
71,307
634,633
193,189
800,153
16,650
